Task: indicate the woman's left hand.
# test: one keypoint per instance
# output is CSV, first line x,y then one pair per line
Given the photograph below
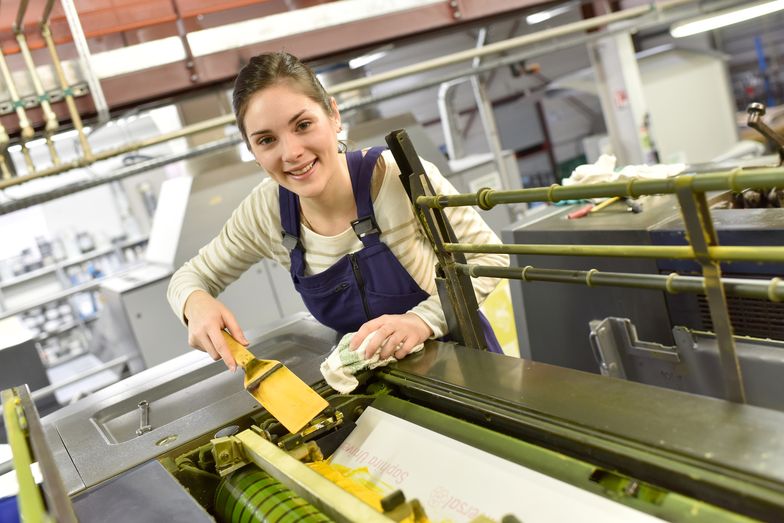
x,y
397,335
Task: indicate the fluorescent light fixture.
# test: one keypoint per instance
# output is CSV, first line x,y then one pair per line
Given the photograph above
x,y
725,18
138,57
273,27
362,61
543,16
59,137
71,133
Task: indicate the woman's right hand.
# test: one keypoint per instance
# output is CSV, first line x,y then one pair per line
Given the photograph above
x,y
207,317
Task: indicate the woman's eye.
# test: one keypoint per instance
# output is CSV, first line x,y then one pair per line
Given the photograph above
x,y
301,126
266,140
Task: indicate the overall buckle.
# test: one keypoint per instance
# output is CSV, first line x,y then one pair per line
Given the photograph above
x,y
364,226
290,242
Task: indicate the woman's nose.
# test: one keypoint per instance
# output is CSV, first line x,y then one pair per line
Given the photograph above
x,y
292,148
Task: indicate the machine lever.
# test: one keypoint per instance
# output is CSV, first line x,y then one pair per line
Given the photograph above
x,y
144,421
756,111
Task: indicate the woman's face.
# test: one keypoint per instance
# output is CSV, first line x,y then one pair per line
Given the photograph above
x,y
293,139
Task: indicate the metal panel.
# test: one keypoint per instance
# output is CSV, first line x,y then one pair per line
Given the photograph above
x,y
552,318
728,454
189,396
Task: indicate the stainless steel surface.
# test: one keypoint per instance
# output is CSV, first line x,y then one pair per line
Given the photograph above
x,y
735,440
188,396
51,389
692,364
129,498
544,309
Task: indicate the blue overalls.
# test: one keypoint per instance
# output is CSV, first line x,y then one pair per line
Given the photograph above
x,y
364,284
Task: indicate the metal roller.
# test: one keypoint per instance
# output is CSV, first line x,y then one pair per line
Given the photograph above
x,y
250,495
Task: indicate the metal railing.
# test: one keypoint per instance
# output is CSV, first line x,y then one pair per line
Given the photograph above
x,y
457,293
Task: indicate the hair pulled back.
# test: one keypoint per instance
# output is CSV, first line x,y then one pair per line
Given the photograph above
x,y
269,69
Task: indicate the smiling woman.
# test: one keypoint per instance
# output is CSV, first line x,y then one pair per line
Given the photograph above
x,y
340,223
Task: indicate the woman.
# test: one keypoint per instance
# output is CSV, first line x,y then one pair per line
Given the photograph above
x,y
379,277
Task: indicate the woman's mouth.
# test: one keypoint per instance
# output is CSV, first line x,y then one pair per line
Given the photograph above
x,y
302,172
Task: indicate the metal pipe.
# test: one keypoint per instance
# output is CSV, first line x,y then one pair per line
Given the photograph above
x,y
733,180
5,172
27,130
772,290
229,119
206,125
47,12
80,42
486,66
490,126
449,120
512,43
722,253
119,174
20,14
46,33
43,98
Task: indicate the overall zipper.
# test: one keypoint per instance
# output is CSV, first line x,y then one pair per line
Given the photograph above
x,y
360,283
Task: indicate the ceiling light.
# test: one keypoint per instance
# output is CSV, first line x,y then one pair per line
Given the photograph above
x,y
288,23
362,61
725,18
137,57
543,16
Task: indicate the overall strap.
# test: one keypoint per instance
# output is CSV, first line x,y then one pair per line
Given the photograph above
x,y
361,171
289,219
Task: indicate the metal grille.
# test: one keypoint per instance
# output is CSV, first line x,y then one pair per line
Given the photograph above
x,y
749,316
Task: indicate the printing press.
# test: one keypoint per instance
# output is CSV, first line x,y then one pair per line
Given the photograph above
x,y
452,433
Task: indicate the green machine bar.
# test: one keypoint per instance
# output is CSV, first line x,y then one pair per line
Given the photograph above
x,y
673,283
732,180
674,252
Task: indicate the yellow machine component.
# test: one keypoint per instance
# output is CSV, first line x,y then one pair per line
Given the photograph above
x,y
31,503
341,479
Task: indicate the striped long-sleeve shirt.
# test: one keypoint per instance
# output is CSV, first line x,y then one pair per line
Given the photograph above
x,y
253,232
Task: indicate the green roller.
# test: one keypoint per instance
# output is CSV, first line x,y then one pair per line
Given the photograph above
x,y
250,495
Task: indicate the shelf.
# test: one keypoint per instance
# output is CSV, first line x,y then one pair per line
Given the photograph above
x,y
64,359
62,330
70,262
82,287
28,276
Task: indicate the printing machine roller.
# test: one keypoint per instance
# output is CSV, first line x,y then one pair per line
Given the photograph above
x,y
453,433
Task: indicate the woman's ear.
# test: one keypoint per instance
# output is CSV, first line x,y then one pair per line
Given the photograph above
x,y
335,113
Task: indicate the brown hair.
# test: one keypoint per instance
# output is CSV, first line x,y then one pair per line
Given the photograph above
x,y
268,69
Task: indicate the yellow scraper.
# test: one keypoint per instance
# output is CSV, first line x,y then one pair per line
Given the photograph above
x,y
289,399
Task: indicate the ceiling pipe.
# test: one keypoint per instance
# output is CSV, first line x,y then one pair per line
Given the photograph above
x,y
506,45
27,130
47,12
20,13
76,119
80,42
50,118
575,27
